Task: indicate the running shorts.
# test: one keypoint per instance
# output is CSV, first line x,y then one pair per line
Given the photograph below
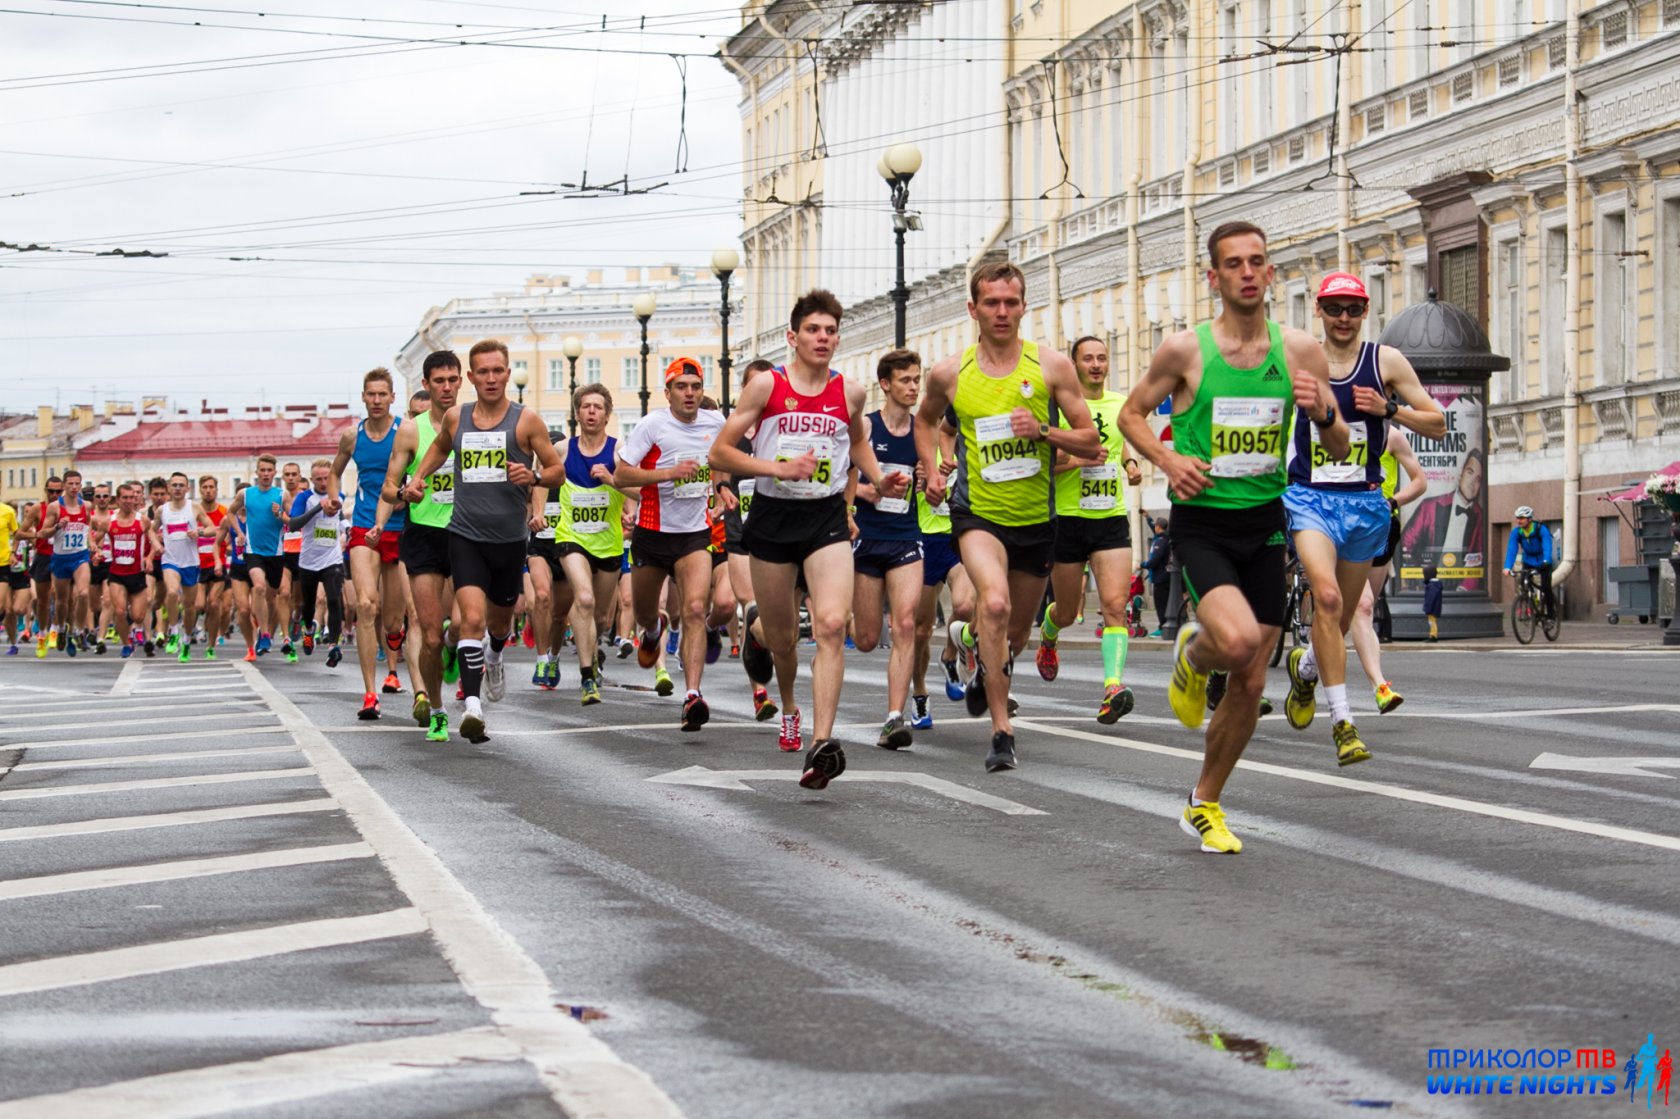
x,y
1243,548
40,568
424,550
1030,548
63,567
101,572
18,580
939,556
1079,538
652,548
270,566
208,576
389,543
1387,553
875,558
133,584
290,562
238,573
188,574
497,569
732,530
790,530
1355,521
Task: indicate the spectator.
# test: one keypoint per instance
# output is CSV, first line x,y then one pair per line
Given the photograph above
x,y
1159,567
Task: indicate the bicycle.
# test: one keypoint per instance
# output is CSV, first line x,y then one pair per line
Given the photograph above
x,y
1298,614
1527,610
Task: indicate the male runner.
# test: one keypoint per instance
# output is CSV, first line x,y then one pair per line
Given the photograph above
x,y
175,532
99,602
65,522
755,658
12,573
123,538
810,432
1092,528
665,458
1235,384
262,506
374,569
424,545
1399,455
321,557
40,568
887,553
1001,389
498,447
941,567
212,564
291,611
1339,517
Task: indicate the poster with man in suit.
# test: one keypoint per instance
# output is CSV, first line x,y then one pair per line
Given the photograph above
x,y
1448,526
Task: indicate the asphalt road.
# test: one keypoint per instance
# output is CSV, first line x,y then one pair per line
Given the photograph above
x,y
221,891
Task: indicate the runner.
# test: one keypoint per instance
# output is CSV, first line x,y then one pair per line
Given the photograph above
x,y
123,538
887,552
40,568
65,523
1397,455
234,538
810,432
321,556
755,658
290,610
1235,384
497,445
424,545
374,570
665,458
15,577
941,567
1002,501
180,522
1092,528
1339,518
157,492
212,564
99,601
261,507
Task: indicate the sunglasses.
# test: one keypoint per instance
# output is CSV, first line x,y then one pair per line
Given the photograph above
x,y
1342,310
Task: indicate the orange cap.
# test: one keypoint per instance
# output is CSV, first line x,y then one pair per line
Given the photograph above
x,y
683,366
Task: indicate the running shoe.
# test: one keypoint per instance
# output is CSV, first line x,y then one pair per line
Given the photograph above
x,y
755,658
1216,689
1387,698
714,645
1265,706
953,682
392,685
974,695
673,638
791,737
647,646
764,708
422,710
1116,704
186,651
264,643
529,636
170,647
923,718
600,662
370,708
334,656
824,761
1299,706
895,734
58,639
1349,750
71,646
1049,663
209,652
309,643
495,680
1002,756
962,636
439,729
590,692
1206,822
1187,691
111,634
99,646
695,713
291,652
127,651
472,727
662,682
41,648
11,650
379,656
625,647
539,675
451,663
460,693
734,650
151,647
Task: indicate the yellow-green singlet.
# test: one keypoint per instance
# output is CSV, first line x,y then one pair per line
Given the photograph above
x,y
1004,478
438,502
1097,491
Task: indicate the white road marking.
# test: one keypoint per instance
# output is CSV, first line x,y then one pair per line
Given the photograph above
x,y
1533,712
13,888
187,689
1377,788
271,1081
124,739
734,778
167,819
585,1077
153,783
106,723
138,703
127,678
202,951
149,759
1629,767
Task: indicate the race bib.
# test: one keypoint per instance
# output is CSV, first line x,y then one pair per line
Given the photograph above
x,y
698,489
590,511
207,545
1247,436
125,547
895,504
551,520
744,489
72,537
484,456
1004,456
1349,469
326,532
1099,487
440,487
821,482
177,531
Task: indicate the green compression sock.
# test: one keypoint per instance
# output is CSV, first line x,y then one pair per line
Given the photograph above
x,y
1049,628
1114,642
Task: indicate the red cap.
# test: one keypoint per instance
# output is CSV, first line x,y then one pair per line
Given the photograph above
x,y
1343,285
683,366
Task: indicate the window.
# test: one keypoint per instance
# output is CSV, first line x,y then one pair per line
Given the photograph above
x,y
1376,285
1377,28
591,370
708,371
556,373
1510,70
1614,30
1511,308
1609,553
34,477
1668,289
1611,306
630,372
1461,279
1417,104
1298,308
1463,87
1554,260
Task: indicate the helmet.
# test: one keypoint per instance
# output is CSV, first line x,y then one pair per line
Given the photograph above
x,y
1524,511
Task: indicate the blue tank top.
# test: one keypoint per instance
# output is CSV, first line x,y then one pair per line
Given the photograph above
x,y
262,514
1311,465
372,459
578,464
891,518
236,554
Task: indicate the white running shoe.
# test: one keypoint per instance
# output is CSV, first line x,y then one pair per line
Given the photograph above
x,y
495,681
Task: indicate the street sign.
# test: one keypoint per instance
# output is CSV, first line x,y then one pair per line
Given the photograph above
x,y
702,777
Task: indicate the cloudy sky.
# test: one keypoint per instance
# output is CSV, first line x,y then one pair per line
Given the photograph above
x,y
363,169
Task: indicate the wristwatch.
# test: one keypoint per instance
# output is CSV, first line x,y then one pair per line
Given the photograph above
x,y
1329,416
1044,431
1393,407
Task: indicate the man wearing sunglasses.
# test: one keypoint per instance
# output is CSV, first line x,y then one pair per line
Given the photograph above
x,y
40,568
1338,514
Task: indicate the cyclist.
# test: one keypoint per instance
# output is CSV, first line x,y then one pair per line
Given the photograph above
x,y
1534,541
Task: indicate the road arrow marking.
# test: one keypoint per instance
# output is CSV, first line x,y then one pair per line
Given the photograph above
x,y
1631,767
736,779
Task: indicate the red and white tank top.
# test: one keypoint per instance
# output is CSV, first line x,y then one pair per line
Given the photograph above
x,y
70,535
792,424
207,544
125,545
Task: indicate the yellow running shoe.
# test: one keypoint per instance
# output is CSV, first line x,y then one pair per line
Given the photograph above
x,y
1299,706
1387,698
1206,822
1188,690
1348,747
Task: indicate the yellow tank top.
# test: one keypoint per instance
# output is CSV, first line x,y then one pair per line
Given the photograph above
x,y
1004,478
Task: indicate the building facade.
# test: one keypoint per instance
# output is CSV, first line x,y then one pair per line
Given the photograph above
x,y
1521,159
211,441
36,447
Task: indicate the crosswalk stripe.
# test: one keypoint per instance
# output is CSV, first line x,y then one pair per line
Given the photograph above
x,y
167,819
82,789
149,759
110,877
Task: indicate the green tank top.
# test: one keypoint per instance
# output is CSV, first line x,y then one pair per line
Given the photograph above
x,y
935,520
1238,423
589,518
1004,478
438,501
1097,491
1391,474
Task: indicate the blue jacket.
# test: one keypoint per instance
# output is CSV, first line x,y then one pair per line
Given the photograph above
x,y
1432,597
1536,545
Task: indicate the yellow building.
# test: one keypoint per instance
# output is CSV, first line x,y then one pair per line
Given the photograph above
x,y
34,448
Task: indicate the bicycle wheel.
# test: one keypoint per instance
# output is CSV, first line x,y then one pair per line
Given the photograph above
x,y
1523,617
1550,627
1277,650
1304,617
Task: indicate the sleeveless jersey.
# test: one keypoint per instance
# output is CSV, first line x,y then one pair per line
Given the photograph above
x,y
488,507
322,545
373,461
262,514
1237,423
292,539
935,520
438,501
236,552
1004,478
43,545
1311,465
1391,474
8,525
793,424
1097,491
124,545
891,518
70,535
589,511
207,548
179,529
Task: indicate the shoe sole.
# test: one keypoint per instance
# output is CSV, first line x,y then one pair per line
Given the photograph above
x,y
664,687
422,714
1398,700
998,765
1121,707
1189,829
1297,685
696,717
1353,757
767,712
1048,669
368,714
826,765
898,740
472,729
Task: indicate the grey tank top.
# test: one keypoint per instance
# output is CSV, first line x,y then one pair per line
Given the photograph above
x,y
488,507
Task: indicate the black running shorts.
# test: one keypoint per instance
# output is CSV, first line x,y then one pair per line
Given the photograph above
x,y
497,569
597,564
790,530
1243,548
1079,538
424,550
652,548
1387,553
272,567
134,584
875,558
1030,548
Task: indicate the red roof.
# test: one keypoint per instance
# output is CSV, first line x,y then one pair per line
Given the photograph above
x,y
218,439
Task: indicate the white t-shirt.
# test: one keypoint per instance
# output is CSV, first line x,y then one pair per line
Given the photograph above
x,y
659,441
323,537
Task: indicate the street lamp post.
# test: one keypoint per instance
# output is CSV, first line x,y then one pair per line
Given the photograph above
x,y
898,166
572,347
643,308
520,378
724,262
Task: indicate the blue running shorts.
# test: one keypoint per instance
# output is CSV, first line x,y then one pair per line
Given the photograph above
x,y
1355,521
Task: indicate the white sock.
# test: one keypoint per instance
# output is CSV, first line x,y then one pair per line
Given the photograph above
x,y
891,715
1309,665
474,707
543,658
1336,694
690,694
1196,802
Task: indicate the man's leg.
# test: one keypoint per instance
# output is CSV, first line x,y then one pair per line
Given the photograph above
x,y
1548,601
428,618
927,609
904,592
987,564
81,586
392,603
828,575
174,605
868,598
366,576
242,611
691,590
540,579
262,595
1233,642
778,623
